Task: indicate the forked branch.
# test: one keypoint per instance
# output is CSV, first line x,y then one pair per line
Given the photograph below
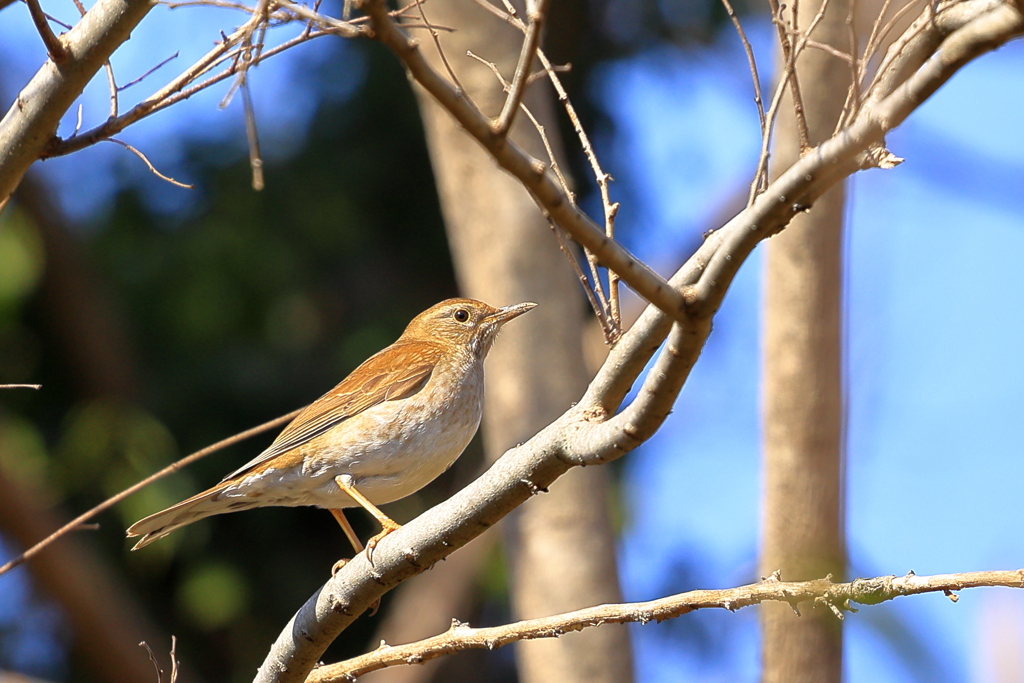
x,y
595,430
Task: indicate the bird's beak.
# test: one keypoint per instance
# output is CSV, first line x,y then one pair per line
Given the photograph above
x,y
503,315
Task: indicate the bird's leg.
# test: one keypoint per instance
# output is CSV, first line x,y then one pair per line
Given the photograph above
x,y
344,482
350,533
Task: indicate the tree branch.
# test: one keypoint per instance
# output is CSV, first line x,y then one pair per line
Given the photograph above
x,y
519,80
58,53
532,172
584,434
31,123
822,592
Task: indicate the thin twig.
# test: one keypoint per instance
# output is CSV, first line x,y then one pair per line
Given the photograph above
x,y
112,85
750,61
21,386
605,313
170,469
58,53
825,47
152,658
794,82
174,659
602,315
610,209
177,90
252,137
528,53
760,181
552,161
143,76
149,165
821,593
437,46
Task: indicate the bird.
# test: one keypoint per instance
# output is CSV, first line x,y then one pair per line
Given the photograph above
x,y
391,427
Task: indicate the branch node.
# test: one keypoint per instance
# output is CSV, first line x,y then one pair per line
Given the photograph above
x,y
953,597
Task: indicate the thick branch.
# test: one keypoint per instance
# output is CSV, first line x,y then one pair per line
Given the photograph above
x,y
531,467
836,596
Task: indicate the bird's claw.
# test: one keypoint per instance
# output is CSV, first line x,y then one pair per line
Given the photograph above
x,y
372,543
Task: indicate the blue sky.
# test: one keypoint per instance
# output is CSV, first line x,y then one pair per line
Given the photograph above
x,y
935,305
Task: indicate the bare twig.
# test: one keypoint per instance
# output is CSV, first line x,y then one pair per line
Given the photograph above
x,y
112,85
149,165
54,47
552,161
758,101
789,55
837,597
156,664
255,158
437,46
152,657
145,75
601,307
760,181
179,89
114,500
531,41
581,276
21,386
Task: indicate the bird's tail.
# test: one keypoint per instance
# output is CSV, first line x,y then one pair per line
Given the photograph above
x,y
197,507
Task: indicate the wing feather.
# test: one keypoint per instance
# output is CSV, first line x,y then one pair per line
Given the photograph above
x,y
397,372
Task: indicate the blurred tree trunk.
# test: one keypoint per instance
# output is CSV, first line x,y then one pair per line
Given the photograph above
x,y
562,548
803,520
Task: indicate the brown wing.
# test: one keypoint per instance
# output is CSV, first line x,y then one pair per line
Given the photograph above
x,y
397,372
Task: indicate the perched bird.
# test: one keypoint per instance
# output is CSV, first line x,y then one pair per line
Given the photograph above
x,y
386,431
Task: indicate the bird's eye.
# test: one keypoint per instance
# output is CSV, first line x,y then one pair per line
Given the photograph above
x,y
461,315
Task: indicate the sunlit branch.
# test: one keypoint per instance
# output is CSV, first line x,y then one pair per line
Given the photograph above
x,y
821,593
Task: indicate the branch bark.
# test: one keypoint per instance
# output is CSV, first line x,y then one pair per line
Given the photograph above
x,y
30,125
585,434
830,599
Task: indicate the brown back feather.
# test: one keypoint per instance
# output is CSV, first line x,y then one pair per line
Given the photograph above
x,y
397,372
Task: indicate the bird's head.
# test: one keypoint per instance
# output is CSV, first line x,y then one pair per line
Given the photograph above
x,y
463,322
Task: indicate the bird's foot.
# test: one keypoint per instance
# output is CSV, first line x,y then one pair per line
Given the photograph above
x,y
338,565
390,526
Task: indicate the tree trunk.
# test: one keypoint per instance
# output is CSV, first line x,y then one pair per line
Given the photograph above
x,y
802,532
562,549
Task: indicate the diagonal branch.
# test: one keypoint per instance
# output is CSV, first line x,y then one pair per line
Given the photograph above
x,y
76,523
821,593
586,433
